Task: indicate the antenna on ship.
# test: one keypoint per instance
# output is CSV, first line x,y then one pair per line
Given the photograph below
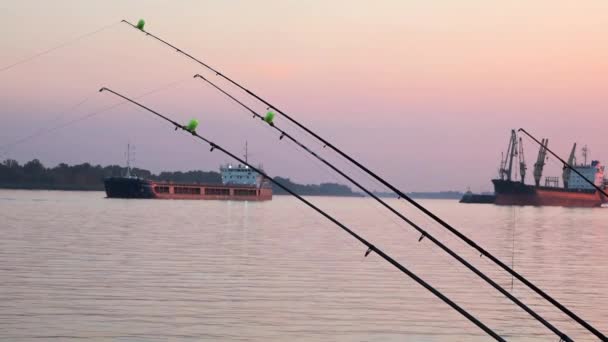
x,y
246,152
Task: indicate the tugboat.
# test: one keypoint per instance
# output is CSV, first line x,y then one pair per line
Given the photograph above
x,y
576,192
470,197
239,183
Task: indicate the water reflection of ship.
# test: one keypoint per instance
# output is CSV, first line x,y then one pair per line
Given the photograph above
x,y
575,192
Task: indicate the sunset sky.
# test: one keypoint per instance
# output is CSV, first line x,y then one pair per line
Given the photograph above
x,y
423,92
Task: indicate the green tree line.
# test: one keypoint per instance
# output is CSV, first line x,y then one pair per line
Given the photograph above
x,y
323,189
34,175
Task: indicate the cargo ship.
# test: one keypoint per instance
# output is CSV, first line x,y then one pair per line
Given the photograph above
x,y
575,191
239,183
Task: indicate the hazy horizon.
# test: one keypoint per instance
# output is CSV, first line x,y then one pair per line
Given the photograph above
x,y
423,92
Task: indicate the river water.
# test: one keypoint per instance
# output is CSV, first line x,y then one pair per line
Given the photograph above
x,y
75,265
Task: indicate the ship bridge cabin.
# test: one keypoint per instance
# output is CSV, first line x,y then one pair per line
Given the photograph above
x,y
593,172
239,175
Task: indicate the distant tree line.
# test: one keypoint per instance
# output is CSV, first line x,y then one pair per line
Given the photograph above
x,y
34,175
425,195
329,189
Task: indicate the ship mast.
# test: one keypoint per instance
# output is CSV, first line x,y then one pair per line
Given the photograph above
x,y
128,160
502,165
522,162
246,153
585,152
566,172
540,161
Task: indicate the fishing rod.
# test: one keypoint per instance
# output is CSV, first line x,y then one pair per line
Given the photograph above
x,y
566,165
269,120
399,193
191,128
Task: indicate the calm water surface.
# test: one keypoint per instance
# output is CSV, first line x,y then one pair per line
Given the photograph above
x,y
75,265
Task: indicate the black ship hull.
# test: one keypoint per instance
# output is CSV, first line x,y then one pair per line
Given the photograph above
x,y
126,187
478,198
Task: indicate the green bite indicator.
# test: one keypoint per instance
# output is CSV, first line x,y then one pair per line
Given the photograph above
x,y
140,24
269,117
191,127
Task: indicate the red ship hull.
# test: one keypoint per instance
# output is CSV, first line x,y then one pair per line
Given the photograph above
x,y
211,192
516,193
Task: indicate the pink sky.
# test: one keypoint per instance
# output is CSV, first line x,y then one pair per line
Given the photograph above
x,y
424,92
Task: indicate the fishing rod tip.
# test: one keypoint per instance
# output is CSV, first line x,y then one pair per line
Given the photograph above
x,y
102,89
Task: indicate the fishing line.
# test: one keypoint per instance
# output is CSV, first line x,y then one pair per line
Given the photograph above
x,y
47,130
560,164
191,128
373,206
56,47
506,279
450,240
393,220
268,119
41,129
326,172
499,303
399,225
320,167
471,243
513,245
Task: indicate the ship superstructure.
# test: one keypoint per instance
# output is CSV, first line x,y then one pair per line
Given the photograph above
x,y
239,175
575,191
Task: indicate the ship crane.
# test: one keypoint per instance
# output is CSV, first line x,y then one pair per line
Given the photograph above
x,y
511,153
566,172
540,161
